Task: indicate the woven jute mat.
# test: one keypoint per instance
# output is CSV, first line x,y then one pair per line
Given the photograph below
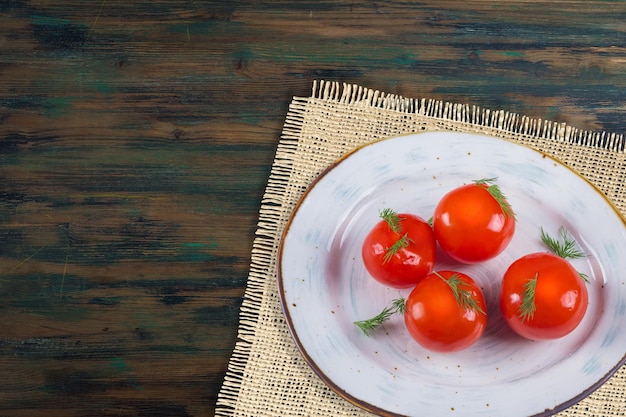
x,y
267,375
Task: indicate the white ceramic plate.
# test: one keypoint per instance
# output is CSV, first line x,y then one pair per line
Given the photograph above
x,y
324,286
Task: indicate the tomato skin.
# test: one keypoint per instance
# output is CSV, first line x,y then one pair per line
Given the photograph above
x,y
561,296
470,224
435,319
410,264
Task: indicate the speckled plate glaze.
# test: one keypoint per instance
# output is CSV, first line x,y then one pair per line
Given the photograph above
x,y
324,286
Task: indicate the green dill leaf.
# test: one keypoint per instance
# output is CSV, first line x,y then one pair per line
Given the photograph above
x,y
584,277
495,191
567,249
528,307
403,242
399,305
369,325
486,181
462,295
392,219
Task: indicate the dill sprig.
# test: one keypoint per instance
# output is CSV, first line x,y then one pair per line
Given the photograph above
x,y
567,249
403,242
394,222
392,219
462,295
369,325
527,308
495,191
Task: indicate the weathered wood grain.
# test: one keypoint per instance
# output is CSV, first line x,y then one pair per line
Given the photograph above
x,y
135,143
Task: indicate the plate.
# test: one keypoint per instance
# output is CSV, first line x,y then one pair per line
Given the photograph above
x,y
324,287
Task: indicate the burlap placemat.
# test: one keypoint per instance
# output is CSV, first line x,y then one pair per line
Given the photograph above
x,y
267,375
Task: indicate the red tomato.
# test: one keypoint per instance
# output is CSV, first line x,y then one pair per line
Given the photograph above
x,y
399,258
471,225
559,301
438,320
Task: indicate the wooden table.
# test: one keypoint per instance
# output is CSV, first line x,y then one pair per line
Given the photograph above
x,y
136,139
